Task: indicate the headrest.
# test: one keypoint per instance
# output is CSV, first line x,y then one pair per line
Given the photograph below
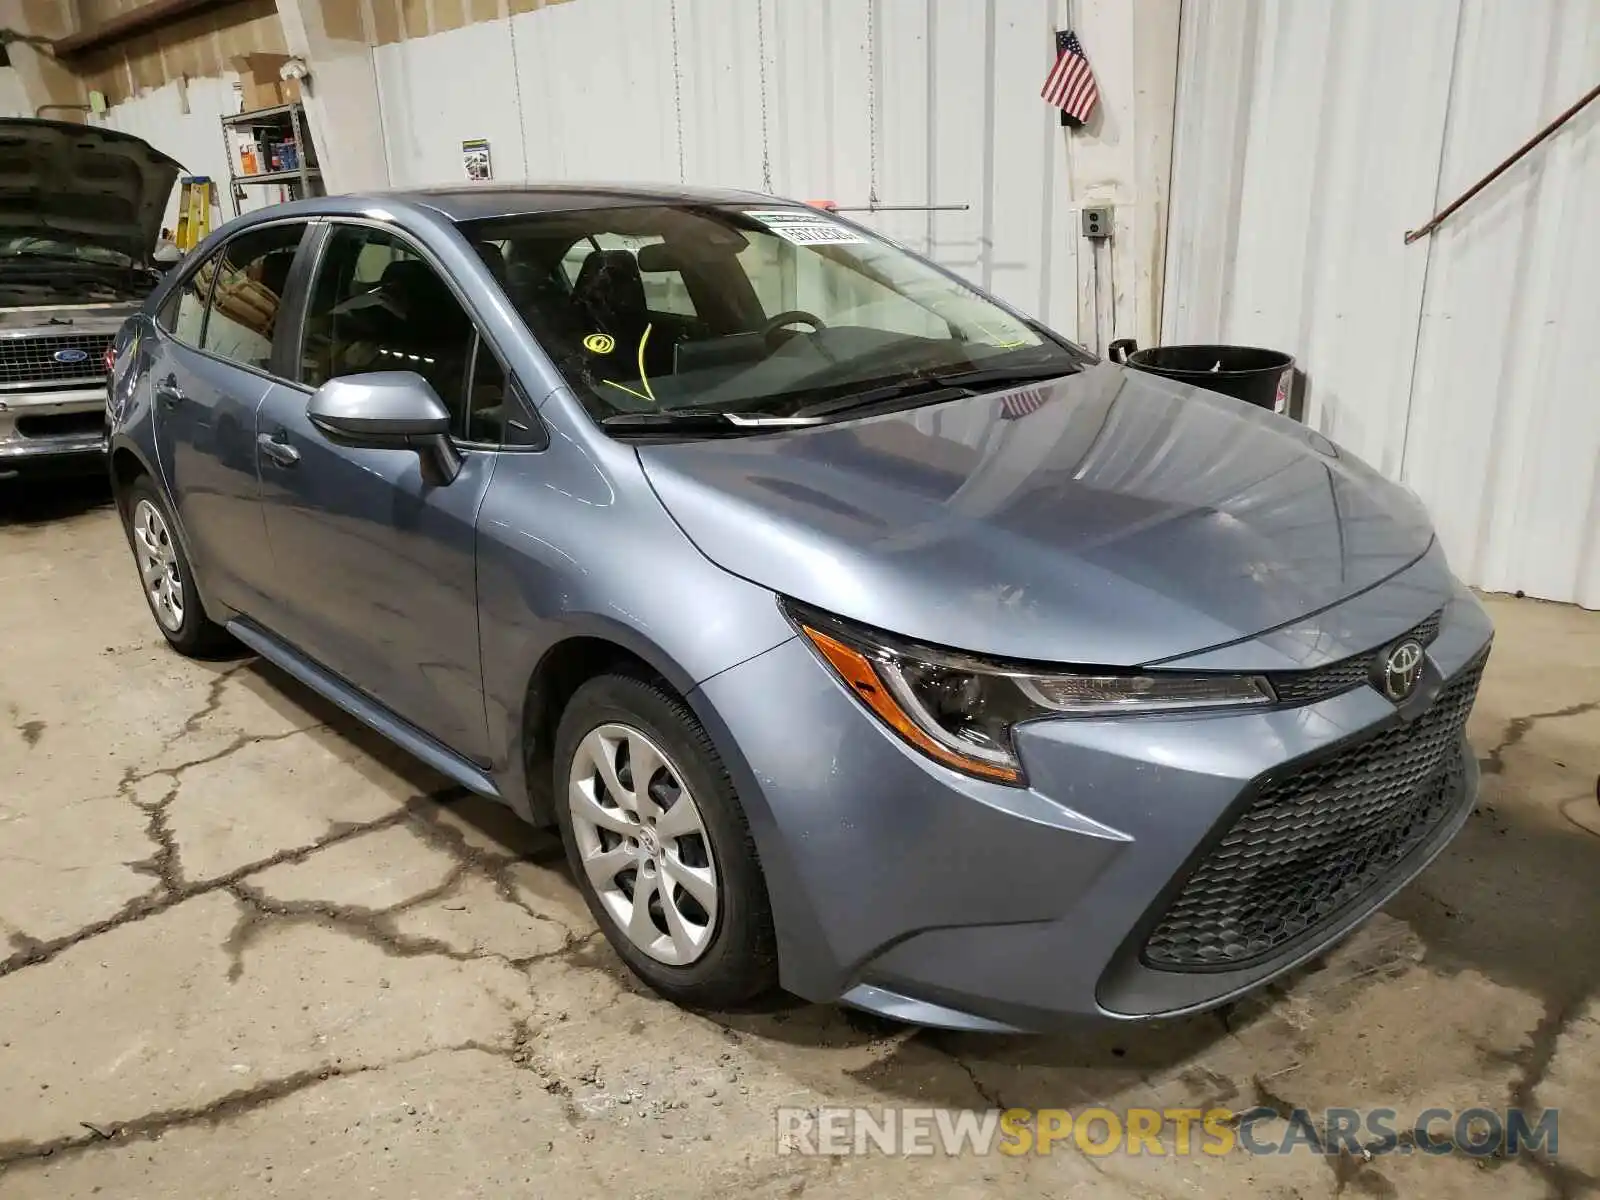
x,y
609,284
406,277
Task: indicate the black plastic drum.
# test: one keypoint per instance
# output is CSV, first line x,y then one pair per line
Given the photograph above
x,y
1260,377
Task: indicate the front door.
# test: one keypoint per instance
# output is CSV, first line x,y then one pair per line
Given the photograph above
x,y
375,569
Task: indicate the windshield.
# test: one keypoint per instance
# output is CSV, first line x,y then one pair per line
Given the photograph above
x,y
749,310
28,246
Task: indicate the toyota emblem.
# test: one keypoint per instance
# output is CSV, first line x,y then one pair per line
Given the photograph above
x,y
1402,667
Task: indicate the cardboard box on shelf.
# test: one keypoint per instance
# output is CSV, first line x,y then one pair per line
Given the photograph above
x,y
247,151
259,81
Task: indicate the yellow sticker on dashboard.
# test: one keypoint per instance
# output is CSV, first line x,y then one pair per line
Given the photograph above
x,y
600,343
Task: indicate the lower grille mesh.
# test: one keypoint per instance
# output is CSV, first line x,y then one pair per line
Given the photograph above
x,y
1313,843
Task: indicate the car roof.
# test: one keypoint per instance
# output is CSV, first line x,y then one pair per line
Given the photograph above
x,y
478,201
475,201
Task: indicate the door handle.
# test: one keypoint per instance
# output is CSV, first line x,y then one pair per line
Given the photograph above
x,y
169,393
278,451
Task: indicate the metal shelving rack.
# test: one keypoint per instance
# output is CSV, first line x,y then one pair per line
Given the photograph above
x,y
305,180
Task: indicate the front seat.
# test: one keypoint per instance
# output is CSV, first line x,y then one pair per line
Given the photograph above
x,y
608,296
418,325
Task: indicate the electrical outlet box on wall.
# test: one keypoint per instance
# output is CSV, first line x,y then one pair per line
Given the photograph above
x,y
1097,222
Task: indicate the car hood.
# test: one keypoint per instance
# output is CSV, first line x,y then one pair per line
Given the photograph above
x,y
1110,517
83,183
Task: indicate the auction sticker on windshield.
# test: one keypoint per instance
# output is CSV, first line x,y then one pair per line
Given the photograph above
x,y
805,228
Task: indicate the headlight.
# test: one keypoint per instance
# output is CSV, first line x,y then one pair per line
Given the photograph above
x,y
960,710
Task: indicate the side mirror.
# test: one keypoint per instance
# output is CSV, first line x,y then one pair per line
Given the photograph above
x,y
389,410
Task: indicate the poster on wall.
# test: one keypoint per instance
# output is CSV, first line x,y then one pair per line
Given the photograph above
x,y
475,156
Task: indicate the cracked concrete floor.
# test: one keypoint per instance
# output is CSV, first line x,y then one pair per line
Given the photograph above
x,y
250,950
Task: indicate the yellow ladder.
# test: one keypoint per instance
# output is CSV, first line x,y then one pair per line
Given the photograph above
x,y
194,212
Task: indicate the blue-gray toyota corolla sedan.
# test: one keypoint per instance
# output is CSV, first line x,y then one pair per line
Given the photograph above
x,y
862,636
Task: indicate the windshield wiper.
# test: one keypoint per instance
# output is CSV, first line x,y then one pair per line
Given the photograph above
x,y
1002,376
709,420
924,388
933,386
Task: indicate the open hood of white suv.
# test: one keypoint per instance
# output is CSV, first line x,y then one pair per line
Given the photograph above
x,y
82,183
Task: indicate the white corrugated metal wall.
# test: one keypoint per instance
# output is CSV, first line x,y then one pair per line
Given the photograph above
x,y
13,96
912,101
184,120
1309,137
766,95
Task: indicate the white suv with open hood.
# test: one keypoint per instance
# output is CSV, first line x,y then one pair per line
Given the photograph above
x,y
80,214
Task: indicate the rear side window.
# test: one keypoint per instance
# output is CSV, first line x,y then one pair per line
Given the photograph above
x,y
184,313
251,276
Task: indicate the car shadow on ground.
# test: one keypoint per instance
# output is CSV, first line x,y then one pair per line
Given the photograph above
x,y
925,1064
26,502
499,824
1472,910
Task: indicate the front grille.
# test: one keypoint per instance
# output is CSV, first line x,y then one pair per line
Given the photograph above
x,y
1317,841
1307,687
33,359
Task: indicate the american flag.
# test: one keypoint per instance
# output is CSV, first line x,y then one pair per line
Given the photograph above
x,y
1020,404
1070,86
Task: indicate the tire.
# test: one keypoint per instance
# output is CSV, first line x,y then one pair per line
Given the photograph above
x,y
737,960
184,625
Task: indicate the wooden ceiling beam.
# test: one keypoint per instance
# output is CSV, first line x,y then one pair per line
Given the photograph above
x,y
144,19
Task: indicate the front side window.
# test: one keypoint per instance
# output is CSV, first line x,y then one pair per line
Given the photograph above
x,y
751,310
378,305
251,275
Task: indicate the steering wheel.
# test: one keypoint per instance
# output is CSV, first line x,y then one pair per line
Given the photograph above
x,y
793,316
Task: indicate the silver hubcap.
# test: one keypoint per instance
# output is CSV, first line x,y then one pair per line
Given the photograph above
x,y
158,564
643,844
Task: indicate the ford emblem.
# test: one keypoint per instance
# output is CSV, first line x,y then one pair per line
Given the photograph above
x,y
71,356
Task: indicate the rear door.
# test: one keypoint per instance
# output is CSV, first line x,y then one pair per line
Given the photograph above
x,y
374,568
208,379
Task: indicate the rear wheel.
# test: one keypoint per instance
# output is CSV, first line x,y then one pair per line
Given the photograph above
x,y
165,574
659,844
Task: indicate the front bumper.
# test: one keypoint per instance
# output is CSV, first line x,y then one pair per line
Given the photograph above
x,y
55,430
929,896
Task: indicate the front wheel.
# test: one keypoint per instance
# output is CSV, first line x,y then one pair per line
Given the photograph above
x,y
164,572
659,844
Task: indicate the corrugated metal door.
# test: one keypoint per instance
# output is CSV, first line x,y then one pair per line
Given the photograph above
x,y
1309,137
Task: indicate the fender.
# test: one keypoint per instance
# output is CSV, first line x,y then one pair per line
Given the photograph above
x,y
510,751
